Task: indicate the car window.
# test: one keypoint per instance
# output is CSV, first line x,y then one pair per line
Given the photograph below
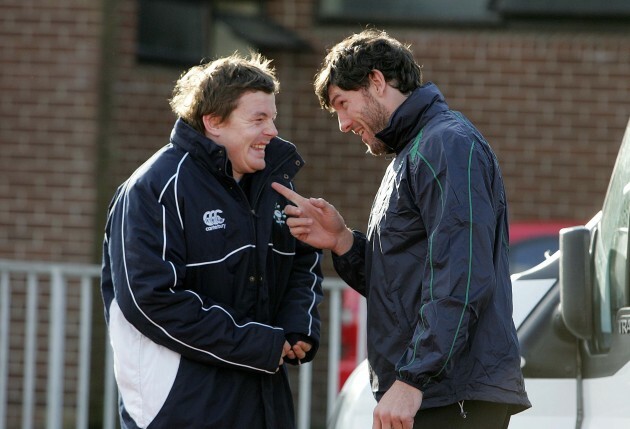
x,y
611,251
530,252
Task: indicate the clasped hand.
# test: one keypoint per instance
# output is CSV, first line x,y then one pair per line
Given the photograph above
x,y
298,351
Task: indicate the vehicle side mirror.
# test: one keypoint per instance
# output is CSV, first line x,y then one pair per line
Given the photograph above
x,y
576,281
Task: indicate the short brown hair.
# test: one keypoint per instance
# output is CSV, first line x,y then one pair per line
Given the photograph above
x,y
349,63
215,88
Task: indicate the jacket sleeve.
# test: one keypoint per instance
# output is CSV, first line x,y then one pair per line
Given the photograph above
x,y
453,191
299,314
351,265
147,278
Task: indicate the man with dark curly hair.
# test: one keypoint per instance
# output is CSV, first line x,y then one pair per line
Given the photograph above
x,y
433,265
207,294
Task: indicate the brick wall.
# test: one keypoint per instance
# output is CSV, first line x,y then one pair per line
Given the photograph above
x,y
49,71
553,103
79,114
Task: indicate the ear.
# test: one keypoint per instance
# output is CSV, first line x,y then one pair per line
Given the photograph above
x,y
377,81
211,125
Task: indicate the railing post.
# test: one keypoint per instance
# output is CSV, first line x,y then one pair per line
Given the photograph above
x,y
109,402
85,337
362,331
30,352
56,343
305,396
5,305
334,349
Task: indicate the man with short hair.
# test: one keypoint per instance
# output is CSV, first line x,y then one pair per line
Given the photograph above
x,y
206,292
442,347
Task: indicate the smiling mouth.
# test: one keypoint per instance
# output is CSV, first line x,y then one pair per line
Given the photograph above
x,y
363,136
359,132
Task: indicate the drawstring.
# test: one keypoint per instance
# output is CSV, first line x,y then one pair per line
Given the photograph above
x,y
461,409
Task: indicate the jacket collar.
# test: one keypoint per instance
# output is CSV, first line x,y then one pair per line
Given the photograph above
x,y
411,116
214,156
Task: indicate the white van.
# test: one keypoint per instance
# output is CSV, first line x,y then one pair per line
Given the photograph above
x,y
572,314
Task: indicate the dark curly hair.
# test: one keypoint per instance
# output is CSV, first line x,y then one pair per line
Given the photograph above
x,y
349,63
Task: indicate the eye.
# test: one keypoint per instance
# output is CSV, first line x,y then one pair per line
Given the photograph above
x,y
342,104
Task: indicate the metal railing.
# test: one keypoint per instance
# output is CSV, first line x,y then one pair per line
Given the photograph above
x,y
59,298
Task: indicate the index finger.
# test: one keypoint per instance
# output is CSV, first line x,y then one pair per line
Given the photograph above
x,y
288,193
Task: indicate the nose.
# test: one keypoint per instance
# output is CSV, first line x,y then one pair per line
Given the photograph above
x,y
345,124
271,129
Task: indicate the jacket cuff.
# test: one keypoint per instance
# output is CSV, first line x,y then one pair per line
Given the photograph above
x,y
356,249
411,383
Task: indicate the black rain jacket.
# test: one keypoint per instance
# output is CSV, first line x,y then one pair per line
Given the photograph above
x,y
202,283
434,263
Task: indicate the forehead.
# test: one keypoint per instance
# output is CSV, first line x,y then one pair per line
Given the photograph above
x,y
256,103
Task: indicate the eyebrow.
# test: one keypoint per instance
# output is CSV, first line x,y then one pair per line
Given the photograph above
x,y
264,114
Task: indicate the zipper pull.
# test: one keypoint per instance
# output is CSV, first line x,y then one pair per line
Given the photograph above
x,y
461,409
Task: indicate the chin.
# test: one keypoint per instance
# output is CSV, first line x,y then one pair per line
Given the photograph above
x,y
260,166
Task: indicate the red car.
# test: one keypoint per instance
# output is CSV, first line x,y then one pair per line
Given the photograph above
x,y
530,244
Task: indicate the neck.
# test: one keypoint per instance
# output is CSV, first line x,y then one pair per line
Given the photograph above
x,y
392,99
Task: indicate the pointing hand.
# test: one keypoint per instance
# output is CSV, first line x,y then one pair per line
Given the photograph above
x,y
316,222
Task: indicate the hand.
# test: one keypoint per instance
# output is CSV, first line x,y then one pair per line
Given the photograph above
x,y
286,351
398,407
301,348
316,222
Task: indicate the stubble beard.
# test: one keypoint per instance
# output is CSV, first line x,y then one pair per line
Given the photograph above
x,y
377,118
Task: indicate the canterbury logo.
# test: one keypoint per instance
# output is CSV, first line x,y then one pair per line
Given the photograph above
x,y
214,220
